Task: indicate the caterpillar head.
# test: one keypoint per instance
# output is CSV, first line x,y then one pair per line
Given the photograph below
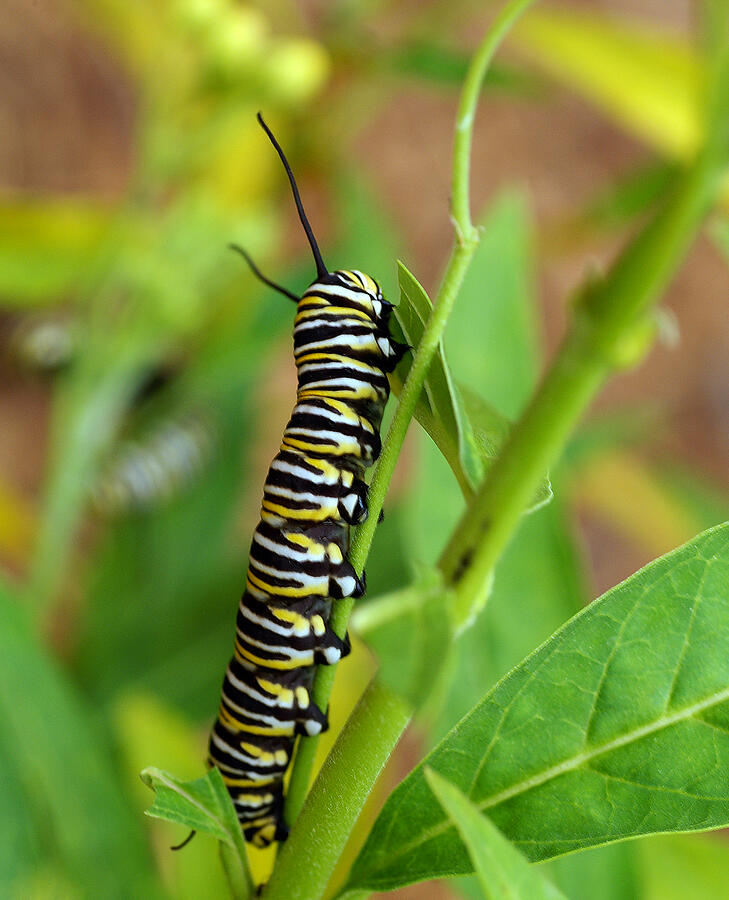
x,y
351,287
358,290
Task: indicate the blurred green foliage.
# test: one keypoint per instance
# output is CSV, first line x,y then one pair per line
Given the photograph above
x,y
114,639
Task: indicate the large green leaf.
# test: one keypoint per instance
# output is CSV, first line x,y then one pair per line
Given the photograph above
x,y
19,842
503,872
649,83
64,771
617,727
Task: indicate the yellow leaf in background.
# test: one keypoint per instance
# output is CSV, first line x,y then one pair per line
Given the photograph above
x,y
45,245
683,866
649,83
17,526
642,509
235,163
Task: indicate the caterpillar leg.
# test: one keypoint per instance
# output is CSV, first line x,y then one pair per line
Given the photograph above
x,y
346,582
353,505
332,648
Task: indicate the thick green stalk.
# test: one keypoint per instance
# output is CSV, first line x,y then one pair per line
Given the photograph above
x,y
463,249
306,862
235,866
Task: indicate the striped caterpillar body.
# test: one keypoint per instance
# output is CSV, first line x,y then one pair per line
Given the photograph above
x,y
298,560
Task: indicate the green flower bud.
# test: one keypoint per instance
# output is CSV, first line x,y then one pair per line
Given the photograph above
x,y
200,16
239,41
297,69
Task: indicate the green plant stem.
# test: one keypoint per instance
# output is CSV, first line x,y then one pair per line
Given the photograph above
x,y
306,862
235,866
463,249
460,179
609,322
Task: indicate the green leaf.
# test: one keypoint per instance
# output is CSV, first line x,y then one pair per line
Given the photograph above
x,y
648,83
488,432
64,771
440,408
683,867
503,872
203,804
540,575
492,340
617,727
410,631
442,65
467,431
601,873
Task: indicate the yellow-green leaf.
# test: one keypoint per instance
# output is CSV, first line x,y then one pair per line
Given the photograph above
x,y
649,83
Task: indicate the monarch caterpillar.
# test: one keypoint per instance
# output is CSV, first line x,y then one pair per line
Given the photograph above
x,y
157,465
298,560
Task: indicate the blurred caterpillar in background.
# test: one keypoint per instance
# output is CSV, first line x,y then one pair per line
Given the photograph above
x,y
140,472
298,560
45,342
155,467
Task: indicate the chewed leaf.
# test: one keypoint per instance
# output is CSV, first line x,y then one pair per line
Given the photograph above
x,y
203,804
616,727
465,428
504,874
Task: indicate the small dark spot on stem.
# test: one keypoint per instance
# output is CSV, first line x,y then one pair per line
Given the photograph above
x,y
463,563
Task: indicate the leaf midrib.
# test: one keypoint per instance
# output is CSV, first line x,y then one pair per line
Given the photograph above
x,y
574,762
